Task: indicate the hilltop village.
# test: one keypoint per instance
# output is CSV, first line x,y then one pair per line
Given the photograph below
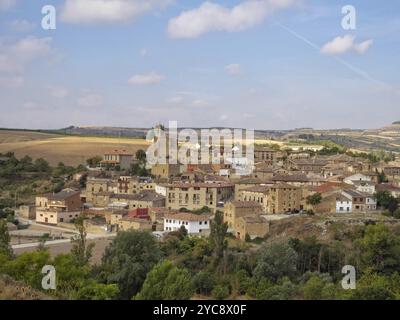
x,y
118,227
170,196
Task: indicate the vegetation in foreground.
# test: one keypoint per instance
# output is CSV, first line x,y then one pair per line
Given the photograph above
x,y
137,266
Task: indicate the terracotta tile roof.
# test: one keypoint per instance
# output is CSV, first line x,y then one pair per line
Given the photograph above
x,y
185,216
63,195
249,181
387,187
326,187
291,178
200,185
146,195
253,219
258,189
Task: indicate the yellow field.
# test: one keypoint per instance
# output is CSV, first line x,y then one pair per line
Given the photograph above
x,y
267,141
67,149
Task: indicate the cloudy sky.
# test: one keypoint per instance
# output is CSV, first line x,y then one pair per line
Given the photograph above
x,y
263,64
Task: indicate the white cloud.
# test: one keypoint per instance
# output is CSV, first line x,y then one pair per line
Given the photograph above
x,y
108,11
341,45
362,47
145,79
21,25
90,100
58,91
233,69
7,4
214,17
15,57
31,48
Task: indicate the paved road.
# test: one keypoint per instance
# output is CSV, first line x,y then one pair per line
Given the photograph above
x,y
90,236
34,223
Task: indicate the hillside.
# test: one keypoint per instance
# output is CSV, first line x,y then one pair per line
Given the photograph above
x,y
13,290
71,150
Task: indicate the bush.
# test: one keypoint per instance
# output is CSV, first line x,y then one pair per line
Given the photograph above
x,y
220,292
396,214
204,282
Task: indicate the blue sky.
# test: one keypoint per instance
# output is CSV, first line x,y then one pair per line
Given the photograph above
x,y
262,64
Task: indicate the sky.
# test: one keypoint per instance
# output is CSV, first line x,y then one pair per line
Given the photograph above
x,y
257,64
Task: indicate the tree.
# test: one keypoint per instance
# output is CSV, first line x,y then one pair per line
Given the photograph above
x,y
220,292
382,177
27,267
80,250
97,291
166,282
203,282
71,276
385,199
276,260
42,241
94,161
141,156
181,233
283,290
314,199
380,249
319,286
372,286
83,181
218,230
128,259
5,247
393,206
41,165
396,214
138,169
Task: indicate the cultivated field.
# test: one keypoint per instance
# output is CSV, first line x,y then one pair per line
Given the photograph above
x,y
70,150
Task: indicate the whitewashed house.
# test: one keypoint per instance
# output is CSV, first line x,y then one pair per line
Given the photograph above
x,y
194,223
344,204
365,186
370,202
356,177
